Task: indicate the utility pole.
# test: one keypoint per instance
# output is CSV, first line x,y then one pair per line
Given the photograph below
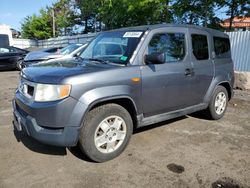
x,y
53,23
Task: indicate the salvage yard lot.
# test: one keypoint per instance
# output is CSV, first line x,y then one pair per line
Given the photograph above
x,y
208,153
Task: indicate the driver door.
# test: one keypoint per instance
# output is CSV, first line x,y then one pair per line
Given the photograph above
x,y
166,87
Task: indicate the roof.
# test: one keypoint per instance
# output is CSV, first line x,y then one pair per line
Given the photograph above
x,y
157,26
238,21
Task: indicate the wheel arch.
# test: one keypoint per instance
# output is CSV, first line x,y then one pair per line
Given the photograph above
x,y
122,100
216,82
227,86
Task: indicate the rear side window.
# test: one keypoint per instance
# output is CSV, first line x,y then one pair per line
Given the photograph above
x,y
171,44
200,46
221,47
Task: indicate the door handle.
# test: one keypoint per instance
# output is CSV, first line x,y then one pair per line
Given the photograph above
x,y
188,72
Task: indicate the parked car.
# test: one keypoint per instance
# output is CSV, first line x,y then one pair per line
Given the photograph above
x,y
36,50
48,50
164,72
43,56
11,56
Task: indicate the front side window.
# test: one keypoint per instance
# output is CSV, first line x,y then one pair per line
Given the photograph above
x,y
116,47
221,47
200,46
4,50
171,44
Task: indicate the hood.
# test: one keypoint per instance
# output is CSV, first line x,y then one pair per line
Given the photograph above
x,y
55,72
36,56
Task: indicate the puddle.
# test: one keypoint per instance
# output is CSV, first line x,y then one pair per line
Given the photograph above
x,y
226,182
175,168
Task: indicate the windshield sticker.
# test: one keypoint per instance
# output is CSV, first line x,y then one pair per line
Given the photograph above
x,y
123,58
132,34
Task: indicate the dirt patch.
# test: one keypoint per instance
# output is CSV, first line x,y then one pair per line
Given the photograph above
x,y
175,168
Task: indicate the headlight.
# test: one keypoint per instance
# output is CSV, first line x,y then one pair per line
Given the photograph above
x,y
48,92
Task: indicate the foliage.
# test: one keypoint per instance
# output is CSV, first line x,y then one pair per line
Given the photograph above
x,y
121,13
41,26
65,16
25,27
89,12
37,27
198,12
96,15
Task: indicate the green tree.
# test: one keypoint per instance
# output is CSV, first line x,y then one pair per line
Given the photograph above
x,y
121,13
25,28
37,26
111,14
65,16
197,12
88,14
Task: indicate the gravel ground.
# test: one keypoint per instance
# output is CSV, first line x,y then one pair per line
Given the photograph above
x,y
185,152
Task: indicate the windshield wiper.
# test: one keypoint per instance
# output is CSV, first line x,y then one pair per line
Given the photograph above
x,y
96,59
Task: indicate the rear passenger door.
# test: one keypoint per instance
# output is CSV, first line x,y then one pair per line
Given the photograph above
x,y
202,63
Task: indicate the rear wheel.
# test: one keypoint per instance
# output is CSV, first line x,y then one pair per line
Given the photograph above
x,y
105,132
218,104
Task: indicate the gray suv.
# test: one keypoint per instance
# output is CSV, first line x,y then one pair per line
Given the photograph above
x,y
125,79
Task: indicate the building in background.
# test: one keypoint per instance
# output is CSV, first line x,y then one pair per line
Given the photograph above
x,y
15,33
239,23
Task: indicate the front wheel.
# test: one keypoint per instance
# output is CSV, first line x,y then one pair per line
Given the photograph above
x,y
19,64
218,104
105,132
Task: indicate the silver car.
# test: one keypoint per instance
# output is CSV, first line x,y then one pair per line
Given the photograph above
x,y
41,56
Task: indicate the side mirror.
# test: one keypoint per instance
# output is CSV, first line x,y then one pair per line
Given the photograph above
x,y
155,58
76,55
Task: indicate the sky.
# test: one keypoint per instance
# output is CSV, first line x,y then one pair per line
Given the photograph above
x,y
12,12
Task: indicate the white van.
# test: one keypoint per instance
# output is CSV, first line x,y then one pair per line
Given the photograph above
x,y
5,36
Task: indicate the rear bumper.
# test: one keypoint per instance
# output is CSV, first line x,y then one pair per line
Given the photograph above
x,y
67,136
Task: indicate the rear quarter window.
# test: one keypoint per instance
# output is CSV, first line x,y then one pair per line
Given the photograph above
x,y
221,47
200,46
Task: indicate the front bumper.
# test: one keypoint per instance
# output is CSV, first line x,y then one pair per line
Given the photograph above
x,y
29,63
56,123
67,136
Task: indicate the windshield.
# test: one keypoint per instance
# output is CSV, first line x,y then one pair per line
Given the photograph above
x,y
116,46
68,49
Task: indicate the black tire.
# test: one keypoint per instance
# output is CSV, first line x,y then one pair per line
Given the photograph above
x,y
211,110
89,128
